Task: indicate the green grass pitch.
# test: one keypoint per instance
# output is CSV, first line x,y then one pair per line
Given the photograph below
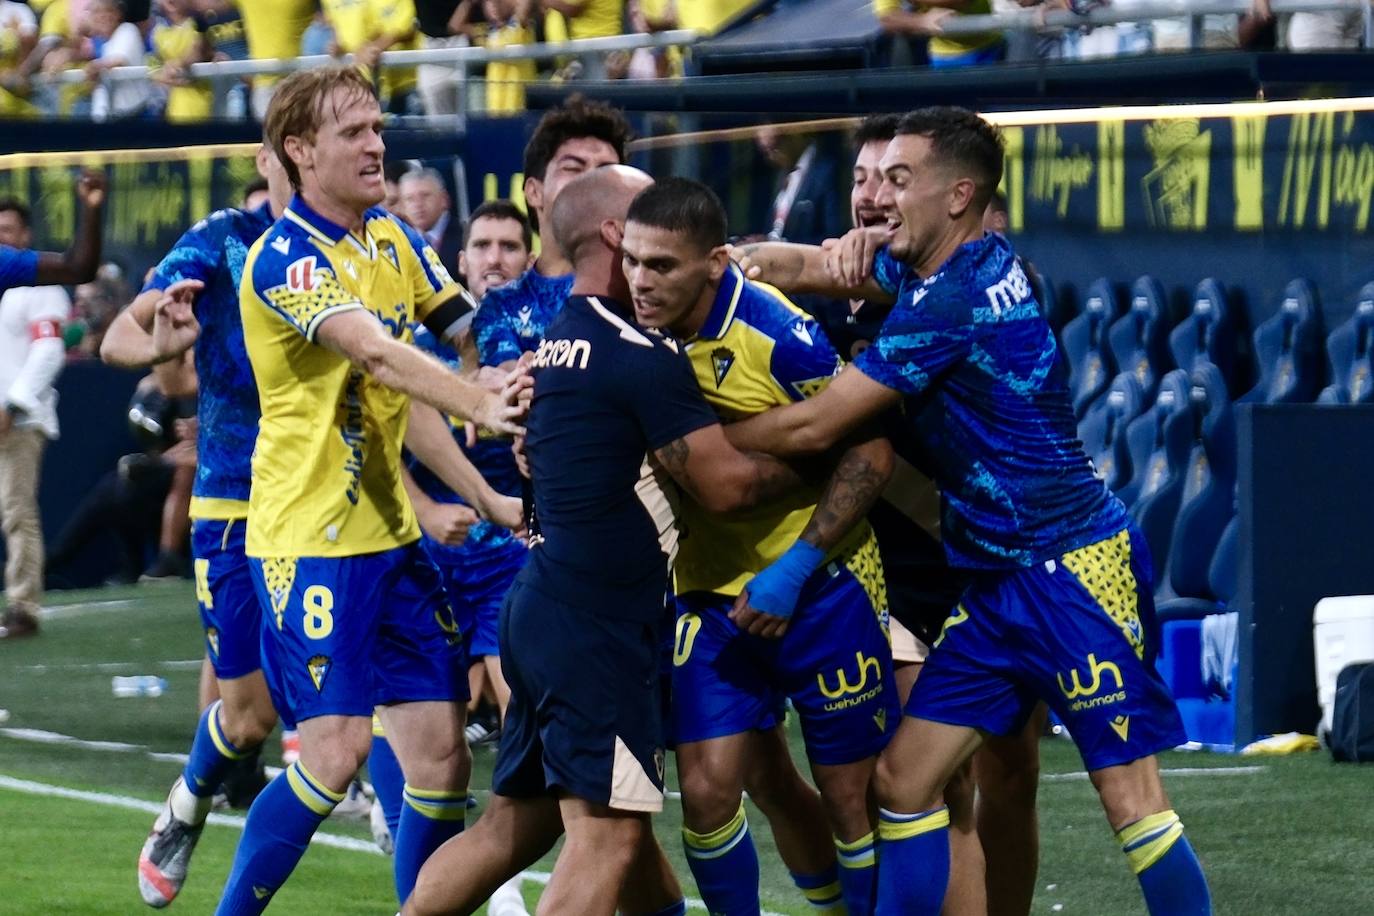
x,y
1281,836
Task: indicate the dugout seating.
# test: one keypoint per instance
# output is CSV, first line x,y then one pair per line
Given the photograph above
x,y
1091,366
1159,442
1348,351
1288,350
1207,497
1103,429
1208,333
1140,338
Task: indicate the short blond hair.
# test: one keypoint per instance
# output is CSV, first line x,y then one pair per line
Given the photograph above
x,y
297,107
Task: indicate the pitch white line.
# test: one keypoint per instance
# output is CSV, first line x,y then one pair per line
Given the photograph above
x,y
82,608
179,664
1176,771
332,840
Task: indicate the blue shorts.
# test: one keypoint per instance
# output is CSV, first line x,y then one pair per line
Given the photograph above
x,y
1078,632
343,635
229,608
834,664
585,707
476,590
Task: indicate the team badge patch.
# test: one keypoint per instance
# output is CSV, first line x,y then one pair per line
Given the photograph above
x,y
388,252
318,666
212,637
722,358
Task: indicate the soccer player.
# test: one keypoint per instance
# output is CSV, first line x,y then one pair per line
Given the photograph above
x,y
578,136
580,633
26,267
354,612
922,589
752,349
1062,608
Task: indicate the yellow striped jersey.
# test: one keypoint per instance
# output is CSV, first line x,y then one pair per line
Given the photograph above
x,y
327,466
756,351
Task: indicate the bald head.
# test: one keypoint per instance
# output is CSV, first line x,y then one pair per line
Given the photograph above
x,y
588,202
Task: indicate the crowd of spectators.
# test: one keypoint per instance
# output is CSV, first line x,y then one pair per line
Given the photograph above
x,y
41,38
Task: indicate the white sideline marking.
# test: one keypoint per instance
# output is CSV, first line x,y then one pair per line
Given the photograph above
x,y
230,820
177,664
82,608
1176,771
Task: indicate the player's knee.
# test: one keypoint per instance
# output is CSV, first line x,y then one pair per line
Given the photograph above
x,y
333,756
245,724
897,787
845,794
708,802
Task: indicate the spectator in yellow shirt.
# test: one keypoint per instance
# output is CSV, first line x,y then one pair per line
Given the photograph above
x,y
586,19
927,18
508,23
273,29
179,40
366,28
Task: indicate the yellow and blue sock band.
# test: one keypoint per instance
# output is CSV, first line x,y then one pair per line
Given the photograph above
x,y
222,744
1147,840
718,842
437,804
893,826
822,891
312,793
856,854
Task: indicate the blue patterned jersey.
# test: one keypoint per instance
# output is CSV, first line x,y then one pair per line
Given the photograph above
x,y
512,318
213,251
1018,487
18,267
493,459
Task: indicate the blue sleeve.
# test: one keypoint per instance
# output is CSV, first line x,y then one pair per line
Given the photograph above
x,y
18,267
888,271
195,256
496,339
918,344
803,361
661,390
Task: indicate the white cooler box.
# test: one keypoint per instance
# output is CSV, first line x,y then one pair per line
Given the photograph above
x,y
1342,634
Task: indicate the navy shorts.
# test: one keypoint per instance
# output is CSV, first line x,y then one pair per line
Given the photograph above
x,y
1078,632
834,664
476,588
585,708
343,635
229,610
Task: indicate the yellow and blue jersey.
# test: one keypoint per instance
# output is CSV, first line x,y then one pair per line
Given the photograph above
x,y
513,318
970,349
214,252
755,352
18,267
327,468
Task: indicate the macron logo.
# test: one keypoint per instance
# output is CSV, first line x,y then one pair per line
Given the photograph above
x,y
919,295
281,244
800,332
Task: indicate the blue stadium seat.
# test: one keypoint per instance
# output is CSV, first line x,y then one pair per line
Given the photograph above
x,y
1207,499
1350,351
1085,345
1288,350
1103,429
1140,338
1208,333
1159,441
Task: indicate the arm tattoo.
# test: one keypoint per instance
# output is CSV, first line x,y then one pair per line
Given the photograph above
x,y
772,479
673,457
781,265
848,495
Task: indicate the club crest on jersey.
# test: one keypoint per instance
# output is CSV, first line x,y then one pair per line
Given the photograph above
x,y
722,358
387,249
318,666
212,637
300,276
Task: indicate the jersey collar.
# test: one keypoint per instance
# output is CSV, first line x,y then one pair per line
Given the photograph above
x,y
322,228
723,308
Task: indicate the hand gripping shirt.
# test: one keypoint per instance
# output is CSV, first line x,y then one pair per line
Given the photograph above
x,y
214,251
970,342
327,468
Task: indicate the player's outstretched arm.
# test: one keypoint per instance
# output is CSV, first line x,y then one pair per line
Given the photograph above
x,y
158,325
78,263
447,523
430,438
720,477
357,335
840,268
818,423
766,605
